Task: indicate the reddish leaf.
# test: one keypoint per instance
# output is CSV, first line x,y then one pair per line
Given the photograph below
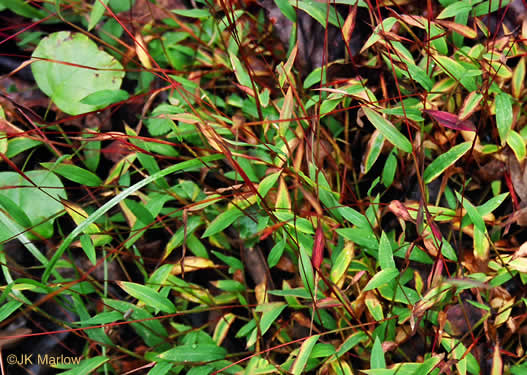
x,y
450,120
318,247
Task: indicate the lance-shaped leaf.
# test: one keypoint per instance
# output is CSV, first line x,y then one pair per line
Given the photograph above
x,y
388,130
503,115
442,162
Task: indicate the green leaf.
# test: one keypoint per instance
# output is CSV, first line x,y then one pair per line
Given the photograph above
x,y
305,268
74,68
473,213
377,355
388,172
14,211
388,130
517,144
503,115
87,247
443,161
276,253
319,11
104,98
374,149
354,216
270,314
385,25
97,12
286,9
303,355
23,9
451,67
9,308
385,253
493,203
74,173
241,74
361,236
192,13
380,278
87,366
454,9
222,221
39,200
194,353
148,296
103,318
488,7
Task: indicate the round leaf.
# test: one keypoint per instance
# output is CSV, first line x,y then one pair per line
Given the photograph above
x,y
73,69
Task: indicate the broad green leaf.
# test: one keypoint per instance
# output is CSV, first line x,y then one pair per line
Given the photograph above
x,y
361,236
97,12
39,200
454,9
222,221
194,353
517,144
354,216
503,115
377,355
303,355
388,130
443,161
148,296
73,68
74,173
385,253
380,278
87,366
473,213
